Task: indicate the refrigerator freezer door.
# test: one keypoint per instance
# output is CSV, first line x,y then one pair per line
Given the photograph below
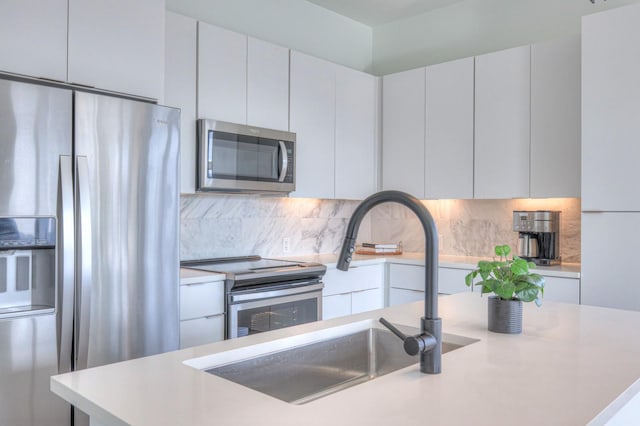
x,y
35,131
132,159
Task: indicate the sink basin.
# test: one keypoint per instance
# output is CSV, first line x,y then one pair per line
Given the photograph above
x,y
336,359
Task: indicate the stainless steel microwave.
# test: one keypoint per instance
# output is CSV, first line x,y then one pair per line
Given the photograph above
x,y
243,159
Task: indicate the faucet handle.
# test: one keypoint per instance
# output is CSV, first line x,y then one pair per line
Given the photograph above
x,y
413,345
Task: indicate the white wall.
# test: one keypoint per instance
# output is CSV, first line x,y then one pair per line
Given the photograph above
x,y
473,27
295,24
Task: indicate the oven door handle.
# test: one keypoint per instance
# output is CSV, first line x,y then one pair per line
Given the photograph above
x,y
260,295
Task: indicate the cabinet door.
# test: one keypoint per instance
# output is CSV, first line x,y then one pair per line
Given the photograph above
x,y
117,45
555,119
201,299
366,300
337,305
355,279
449,130
609,249
565,290
502,117
222,74
451,280
312,118
356,145
201,331
400,296
267,85
610,106
180,89
403,98
410,277
33,38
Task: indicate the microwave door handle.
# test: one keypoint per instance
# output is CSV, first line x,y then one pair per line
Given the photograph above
x,y
210,156
284,161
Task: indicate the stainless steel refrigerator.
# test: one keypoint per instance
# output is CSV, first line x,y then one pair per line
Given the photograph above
x,y
89,264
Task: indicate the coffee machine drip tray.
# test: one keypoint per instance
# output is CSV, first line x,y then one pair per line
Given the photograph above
x,y
538,236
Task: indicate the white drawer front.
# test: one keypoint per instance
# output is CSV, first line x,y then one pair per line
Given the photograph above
x,y
355,279
406,276
561,290
200,331
366,300
399,296
451,281
335,306
201,300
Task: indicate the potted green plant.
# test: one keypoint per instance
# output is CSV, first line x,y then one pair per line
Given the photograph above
x,y
512,283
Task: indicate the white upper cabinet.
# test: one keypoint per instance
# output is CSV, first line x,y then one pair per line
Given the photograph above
x,y
180,89
312,118
222,74
117,45
267,85
555,118
355,134
502,117
448,165
611,110
403,116
33,38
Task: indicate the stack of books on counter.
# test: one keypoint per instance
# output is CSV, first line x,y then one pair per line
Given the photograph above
x,y
379,248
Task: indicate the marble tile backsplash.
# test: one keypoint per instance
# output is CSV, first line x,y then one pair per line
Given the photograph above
x,y
475,227
221,226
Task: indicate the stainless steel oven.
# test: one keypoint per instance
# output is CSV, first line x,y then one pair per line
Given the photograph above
x,y
267,294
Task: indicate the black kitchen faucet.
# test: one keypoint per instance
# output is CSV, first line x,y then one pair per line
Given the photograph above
x,y
429,342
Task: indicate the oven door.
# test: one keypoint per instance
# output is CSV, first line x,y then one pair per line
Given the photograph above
x,y
264,310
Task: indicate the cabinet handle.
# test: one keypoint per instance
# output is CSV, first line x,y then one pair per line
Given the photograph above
x,y
192,284
213,316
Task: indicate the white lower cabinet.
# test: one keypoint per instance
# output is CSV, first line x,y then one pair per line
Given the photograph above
x,y
201,310
451,280
400,296
336,305
565,290
360,289
200,331
406,283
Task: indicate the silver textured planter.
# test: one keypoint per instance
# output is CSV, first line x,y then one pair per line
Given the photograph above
x,y
505,316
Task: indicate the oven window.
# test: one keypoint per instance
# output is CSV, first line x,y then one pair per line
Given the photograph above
x,y
273,317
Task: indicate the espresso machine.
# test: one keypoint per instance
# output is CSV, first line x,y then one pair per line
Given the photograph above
x,y
538,236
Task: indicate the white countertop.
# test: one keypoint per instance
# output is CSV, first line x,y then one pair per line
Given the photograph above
x,y
567,366
194,276
564,270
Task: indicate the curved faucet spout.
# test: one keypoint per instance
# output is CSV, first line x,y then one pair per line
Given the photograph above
x,y
430,324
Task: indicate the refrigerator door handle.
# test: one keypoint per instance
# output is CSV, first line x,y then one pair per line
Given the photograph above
x,y
66,248
84,263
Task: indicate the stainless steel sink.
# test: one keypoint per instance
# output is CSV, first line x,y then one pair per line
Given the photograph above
x,y
310,371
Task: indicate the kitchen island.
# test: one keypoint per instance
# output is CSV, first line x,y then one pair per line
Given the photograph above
x,y
570,363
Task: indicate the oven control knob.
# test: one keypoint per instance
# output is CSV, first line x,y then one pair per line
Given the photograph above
x,y
351,249
348,259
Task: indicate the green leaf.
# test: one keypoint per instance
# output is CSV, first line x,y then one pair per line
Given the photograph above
x,y
502,250
529,294
504,289
519,267
468,279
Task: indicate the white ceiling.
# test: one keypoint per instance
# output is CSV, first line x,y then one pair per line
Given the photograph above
x,y
376,12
